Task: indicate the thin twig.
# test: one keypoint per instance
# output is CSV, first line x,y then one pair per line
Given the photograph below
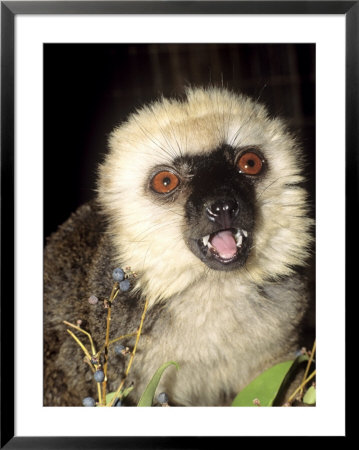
x,y
308,365
100,401
80,344
87,361
85,332
124,336
104,383
299,388
137,339
132,355
86,352
113,295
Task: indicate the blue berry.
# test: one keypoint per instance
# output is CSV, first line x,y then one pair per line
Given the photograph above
x,y
125,285
119,348
118,274
88,401
99,376
162,398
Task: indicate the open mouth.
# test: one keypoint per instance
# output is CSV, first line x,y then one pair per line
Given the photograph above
x,y
223,245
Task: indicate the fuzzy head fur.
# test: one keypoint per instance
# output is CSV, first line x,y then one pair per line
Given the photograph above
x,y
150,232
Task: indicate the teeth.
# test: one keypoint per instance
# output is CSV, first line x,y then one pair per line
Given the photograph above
x,y
239,240
238,236
205,240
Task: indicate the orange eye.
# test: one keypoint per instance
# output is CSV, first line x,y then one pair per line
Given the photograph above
x,y
250,163
164,182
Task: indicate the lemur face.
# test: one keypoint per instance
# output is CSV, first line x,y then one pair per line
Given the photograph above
x,y
219,207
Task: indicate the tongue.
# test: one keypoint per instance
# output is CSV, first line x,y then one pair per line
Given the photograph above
x,y
224,244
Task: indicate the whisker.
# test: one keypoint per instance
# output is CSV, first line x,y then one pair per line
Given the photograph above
x,y
173,152
271,184
250,116
152,139
173,132
155,227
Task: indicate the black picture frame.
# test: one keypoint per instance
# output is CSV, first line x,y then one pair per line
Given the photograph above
x,y
9,10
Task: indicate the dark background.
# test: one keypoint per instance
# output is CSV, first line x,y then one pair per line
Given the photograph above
x,y
91,88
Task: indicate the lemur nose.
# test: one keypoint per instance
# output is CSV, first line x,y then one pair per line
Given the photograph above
x,y
222,211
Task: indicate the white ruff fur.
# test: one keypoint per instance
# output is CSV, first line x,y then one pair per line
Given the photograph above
x,y
219,342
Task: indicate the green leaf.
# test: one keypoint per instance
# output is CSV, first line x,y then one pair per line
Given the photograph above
x,y
264,389
147,397
310,396
122,394
109,397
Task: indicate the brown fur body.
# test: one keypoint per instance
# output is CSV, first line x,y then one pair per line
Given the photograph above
x,y
223,328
